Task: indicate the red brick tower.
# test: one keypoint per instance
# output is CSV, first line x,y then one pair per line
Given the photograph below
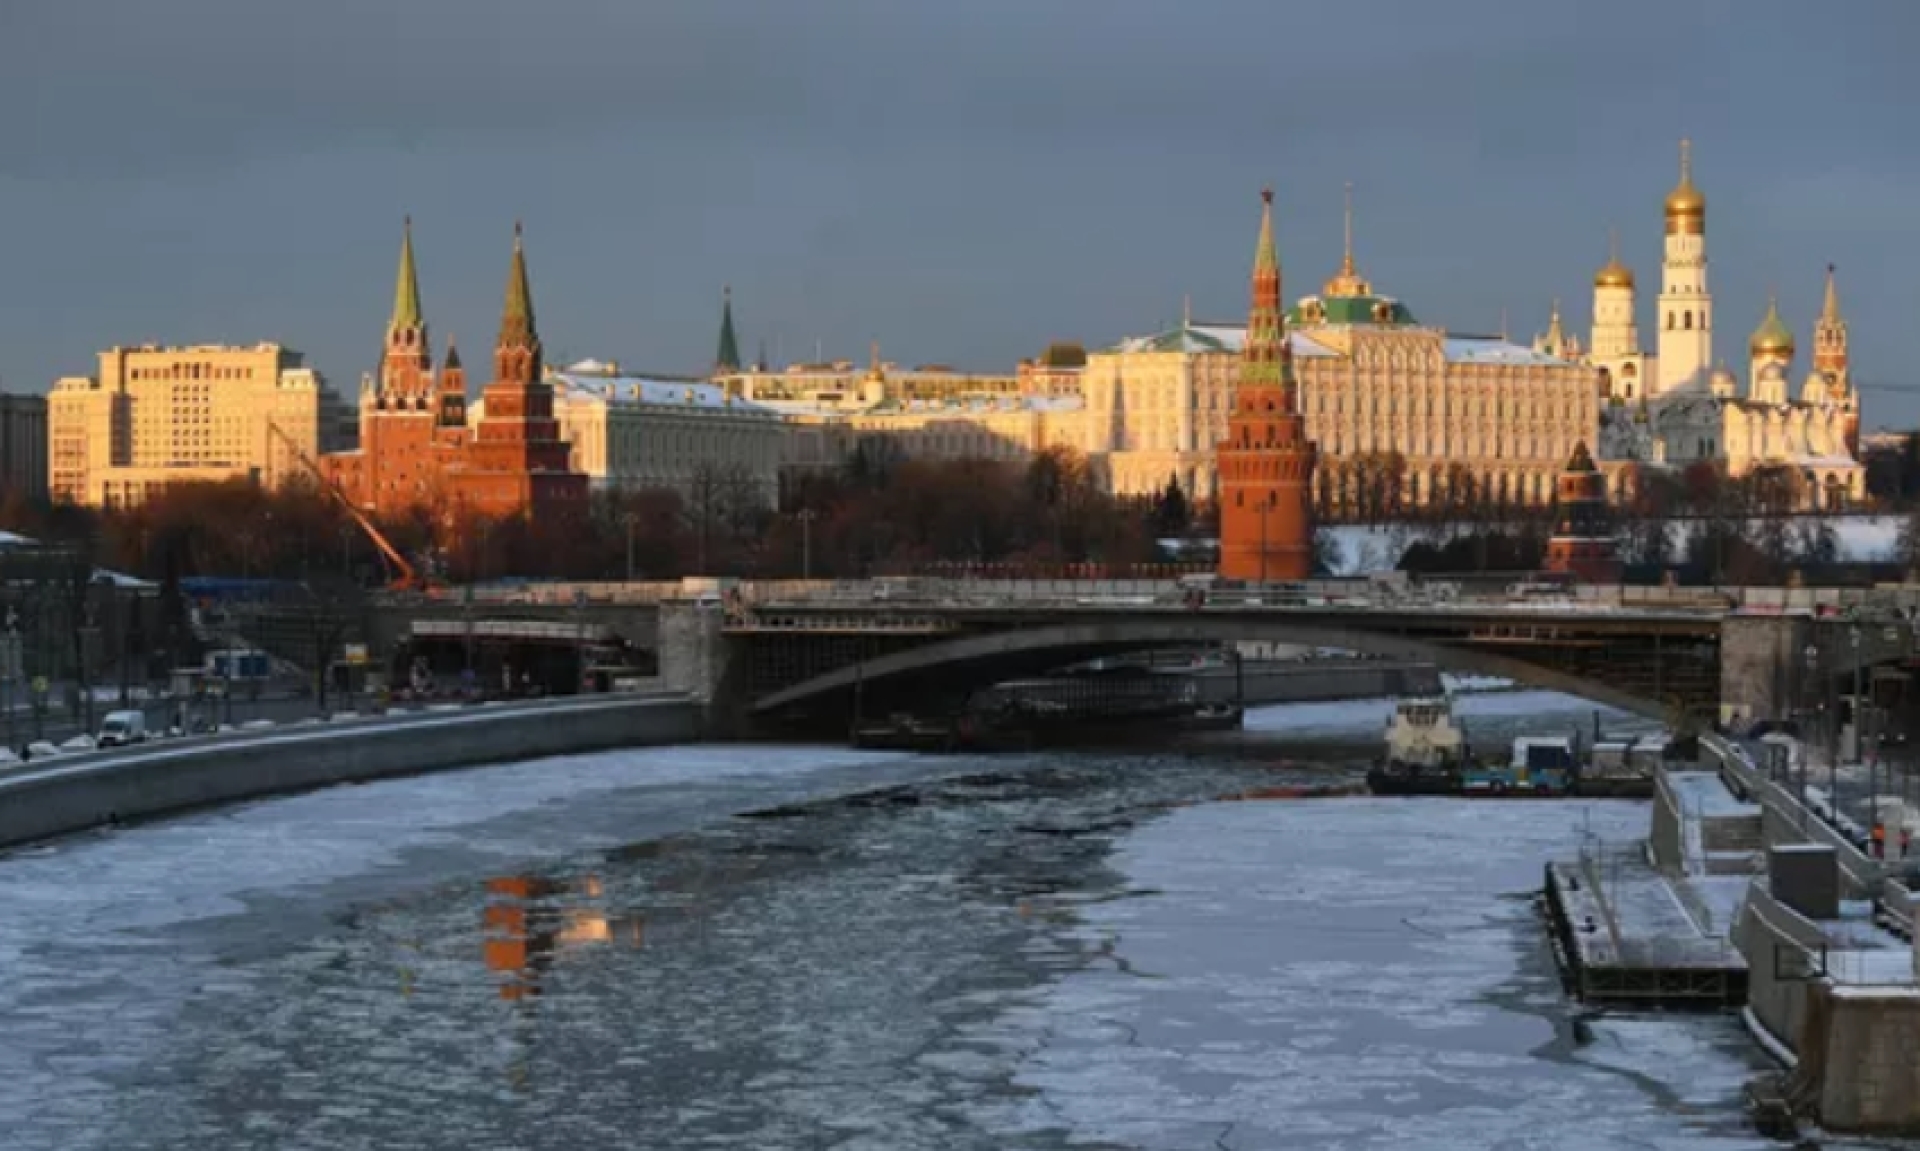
x,y
1583,543
517,461
1830,360
450,424
406,369
1266,462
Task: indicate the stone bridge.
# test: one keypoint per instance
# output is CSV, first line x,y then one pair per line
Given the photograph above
x,y
792,660
790,648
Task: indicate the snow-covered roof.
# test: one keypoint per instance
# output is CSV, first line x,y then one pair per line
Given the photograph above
x,y
1494,350
1230,338
581,380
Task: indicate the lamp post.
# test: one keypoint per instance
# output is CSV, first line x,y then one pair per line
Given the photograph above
x,y
1853,638
805,516
10,665
1806,740
630,520
580,641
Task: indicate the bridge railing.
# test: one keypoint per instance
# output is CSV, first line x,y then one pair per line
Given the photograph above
x,y
1892,601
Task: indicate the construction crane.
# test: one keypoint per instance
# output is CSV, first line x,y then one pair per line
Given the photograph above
x,y
406,577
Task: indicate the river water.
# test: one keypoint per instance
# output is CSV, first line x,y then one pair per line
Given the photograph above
x,y
802,947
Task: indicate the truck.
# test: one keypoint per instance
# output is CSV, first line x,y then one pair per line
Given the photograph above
x,y
1541,766
121,728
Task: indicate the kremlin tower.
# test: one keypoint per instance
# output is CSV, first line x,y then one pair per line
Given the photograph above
x,y
420,448
1583,544
1266,462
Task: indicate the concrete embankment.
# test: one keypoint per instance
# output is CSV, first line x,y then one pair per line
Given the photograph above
x,y
41,800
1829,989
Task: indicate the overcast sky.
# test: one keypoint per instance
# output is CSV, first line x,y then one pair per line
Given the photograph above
x,y
962,180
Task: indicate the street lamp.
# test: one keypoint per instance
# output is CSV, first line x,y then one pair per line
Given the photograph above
x,y
805,516
1806,737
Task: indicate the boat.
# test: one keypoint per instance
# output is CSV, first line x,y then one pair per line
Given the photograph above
x,y
1426,751
904,732
1541,766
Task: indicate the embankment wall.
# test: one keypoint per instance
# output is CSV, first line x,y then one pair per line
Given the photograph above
x,y
49,798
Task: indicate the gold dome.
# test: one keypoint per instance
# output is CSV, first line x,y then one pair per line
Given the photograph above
x,y
1686,207
1614,275
1772,337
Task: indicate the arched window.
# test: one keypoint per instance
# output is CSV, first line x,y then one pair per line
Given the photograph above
x,y
1670,321
1686,320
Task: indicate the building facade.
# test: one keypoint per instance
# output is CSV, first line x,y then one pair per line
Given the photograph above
x,y
631,432
1388,401
420,447
1682,407
23,444
155,416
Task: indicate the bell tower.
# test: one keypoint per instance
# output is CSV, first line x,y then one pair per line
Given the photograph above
x,y
1685,312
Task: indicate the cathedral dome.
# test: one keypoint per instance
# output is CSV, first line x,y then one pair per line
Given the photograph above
x,y
1614,275
1723,382
1772,337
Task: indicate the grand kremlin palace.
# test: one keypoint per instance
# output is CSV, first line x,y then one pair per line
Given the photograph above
x,y
1373,381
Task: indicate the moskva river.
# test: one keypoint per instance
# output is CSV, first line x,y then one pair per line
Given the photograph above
x,y
776,947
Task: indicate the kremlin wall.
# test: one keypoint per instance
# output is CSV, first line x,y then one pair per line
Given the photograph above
x,y
1295,410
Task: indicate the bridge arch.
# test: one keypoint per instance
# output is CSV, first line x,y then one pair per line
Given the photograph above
x,y
984,659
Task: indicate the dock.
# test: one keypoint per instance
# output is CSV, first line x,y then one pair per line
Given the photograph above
x,y
1627,935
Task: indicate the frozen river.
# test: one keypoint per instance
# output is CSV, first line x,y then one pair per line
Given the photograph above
x,y
890,952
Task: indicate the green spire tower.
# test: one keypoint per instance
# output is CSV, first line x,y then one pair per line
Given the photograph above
x,y
726,361
408,358
517,353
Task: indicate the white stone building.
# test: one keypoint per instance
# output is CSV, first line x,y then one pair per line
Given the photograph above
x,y
1674,409
632,432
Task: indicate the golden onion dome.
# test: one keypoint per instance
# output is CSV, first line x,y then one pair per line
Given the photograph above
x,y
1772,337
1686,206
1686,200
1613,275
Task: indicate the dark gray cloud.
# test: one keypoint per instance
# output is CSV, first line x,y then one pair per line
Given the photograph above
x,y
962,181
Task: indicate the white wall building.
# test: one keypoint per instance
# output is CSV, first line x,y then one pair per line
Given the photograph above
x,y
632,432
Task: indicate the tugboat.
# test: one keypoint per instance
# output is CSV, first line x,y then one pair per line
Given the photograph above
x,y
1426,750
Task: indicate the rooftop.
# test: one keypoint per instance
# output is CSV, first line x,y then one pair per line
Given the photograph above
x,y
593,380
1231,338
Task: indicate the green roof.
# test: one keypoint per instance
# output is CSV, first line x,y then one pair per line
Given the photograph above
x,y
1383,310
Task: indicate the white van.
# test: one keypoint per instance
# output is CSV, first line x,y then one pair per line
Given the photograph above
x,y
121,728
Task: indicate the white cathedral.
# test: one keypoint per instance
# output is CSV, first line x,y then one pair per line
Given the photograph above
x,y
1679,407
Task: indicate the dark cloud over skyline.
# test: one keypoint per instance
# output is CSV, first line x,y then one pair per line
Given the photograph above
x,y
963,182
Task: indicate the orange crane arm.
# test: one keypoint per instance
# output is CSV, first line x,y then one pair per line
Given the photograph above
x,y
408,577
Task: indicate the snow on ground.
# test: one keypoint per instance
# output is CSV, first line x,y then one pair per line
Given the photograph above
x,y
1359,549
